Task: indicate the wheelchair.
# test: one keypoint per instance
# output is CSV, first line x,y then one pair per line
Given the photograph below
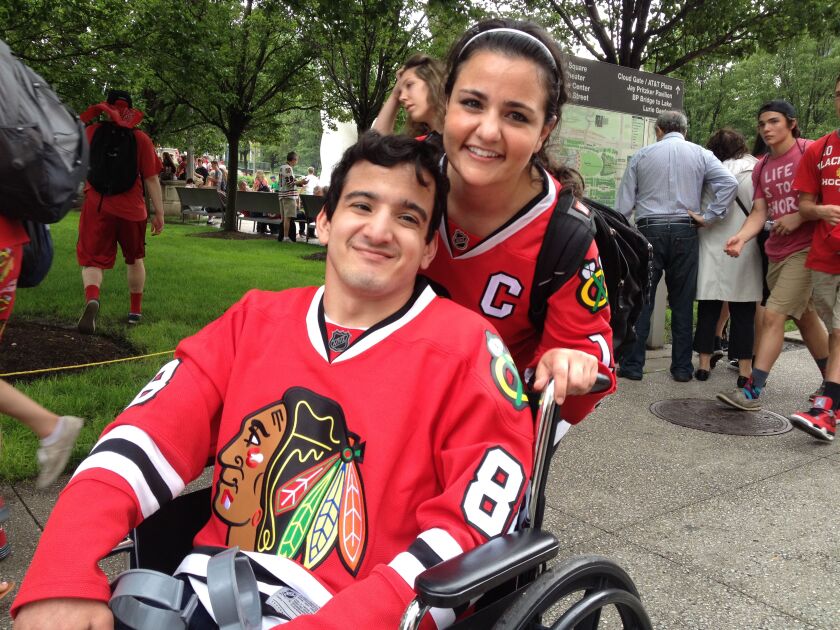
x,y
504,584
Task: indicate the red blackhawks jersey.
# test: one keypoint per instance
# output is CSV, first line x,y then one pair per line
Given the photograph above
x,y
819,174
493,277
344,465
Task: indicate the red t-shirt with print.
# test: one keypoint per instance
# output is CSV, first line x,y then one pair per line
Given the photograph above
x,y
819,174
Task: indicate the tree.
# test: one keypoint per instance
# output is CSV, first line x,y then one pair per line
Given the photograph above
x,y
802,71
244,63
665,36
360,46
79,47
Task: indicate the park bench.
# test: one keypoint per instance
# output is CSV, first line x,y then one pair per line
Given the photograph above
x,y
200,202
258,203
310,205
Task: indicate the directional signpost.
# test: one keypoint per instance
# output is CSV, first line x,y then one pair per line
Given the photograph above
x,y
610,116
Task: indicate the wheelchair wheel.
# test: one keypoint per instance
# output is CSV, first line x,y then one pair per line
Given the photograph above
x,y
601,583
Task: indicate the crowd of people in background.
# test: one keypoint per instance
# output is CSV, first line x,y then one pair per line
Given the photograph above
x,y
748,237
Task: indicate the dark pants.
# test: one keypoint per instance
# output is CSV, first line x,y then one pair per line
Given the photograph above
x,y
741,327
675,252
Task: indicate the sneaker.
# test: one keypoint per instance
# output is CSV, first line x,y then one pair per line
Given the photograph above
x,y
732,364
717,355
134,318
742,380
53,458
87,322
818,392
740,398
819,421
5,547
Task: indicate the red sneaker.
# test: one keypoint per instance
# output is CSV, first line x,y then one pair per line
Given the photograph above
x,y
819,421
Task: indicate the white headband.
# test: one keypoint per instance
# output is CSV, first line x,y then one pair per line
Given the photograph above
x,y
512,31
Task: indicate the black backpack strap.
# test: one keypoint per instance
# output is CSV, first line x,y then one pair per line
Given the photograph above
x,y
741,205
567,239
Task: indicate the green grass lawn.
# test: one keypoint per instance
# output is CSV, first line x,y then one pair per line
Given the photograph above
x,y
190,282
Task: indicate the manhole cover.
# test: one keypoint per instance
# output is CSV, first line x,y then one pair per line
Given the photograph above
x,y
713,416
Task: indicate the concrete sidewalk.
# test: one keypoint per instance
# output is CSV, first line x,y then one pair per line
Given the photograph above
x,y
718,531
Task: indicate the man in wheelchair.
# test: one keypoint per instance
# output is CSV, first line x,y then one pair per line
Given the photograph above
x,y
394,434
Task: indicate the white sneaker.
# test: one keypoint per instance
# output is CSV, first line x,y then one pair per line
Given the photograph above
x,y
53,458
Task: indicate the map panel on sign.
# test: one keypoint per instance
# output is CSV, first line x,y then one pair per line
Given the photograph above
x,y
598,143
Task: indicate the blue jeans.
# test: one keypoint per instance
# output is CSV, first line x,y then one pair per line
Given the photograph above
x,y
675,252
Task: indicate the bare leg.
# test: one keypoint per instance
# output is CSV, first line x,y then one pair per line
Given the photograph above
x,y
705,361
772,338
814,334
136,276
744,367
92,276
832,370
18,405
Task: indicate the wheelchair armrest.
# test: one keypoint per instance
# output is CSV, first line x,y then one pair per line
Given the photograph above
x,y
458,580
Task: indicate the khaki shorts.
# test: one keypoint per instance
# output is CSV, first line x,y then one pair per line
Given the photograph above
x,y
790,286
826,300
289,207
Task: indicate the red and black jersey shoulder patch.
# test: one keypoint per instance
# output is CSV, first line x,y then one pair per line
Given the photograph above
x,y
592,290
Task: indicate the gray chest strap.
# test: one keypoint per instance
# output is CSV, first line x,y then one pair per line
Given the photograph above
x,y
149,600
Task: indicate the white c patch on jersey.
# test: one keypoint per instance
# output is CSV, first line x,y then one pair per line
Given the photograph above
x,y
160,381
499,283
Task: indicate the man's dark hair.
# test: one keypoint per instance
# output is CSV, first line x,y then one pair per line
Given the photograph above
x,y
787,110
727,144
391,151
291,155
669,122
119,95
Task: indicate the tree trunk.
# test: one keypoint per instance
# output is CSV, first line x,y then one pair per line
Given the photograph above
x,y
232,183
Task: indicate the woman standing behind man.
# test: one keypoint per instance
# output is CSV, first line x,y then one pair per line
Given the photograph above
x,y
419,90
721,278
504,94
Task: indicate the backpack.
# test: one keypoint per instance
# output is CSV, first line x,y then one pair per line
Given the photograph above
x,y
113,159
37,255
626,259
43,149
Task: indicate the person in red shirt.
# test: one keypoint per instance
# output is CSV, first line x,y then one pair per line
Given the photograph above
x,y
108,220
818,183
787,247
57,433
505,91
397,435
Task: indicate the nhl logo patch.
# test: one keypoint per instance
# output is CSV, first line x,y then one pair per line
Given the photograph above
x,y
460,240
339,340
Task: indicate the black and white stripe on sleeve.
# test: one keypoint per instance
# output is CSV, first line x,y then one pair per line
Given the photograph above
x,y
132,454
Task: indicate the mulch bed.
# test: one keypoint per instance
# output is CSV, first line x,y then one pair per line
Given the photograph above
x,y
33,345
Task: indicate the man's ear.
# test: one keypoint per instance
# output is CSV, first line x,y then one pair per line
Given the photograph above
x,y
322,224
429,252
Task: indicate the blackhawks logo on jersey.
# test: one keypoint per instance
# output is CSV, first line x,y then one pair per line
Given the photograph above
x,y
592,293
503,372
289,483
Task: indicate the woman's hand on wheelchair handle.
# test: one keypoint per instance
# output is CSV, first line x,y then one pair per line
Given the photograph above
x,y
574,372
